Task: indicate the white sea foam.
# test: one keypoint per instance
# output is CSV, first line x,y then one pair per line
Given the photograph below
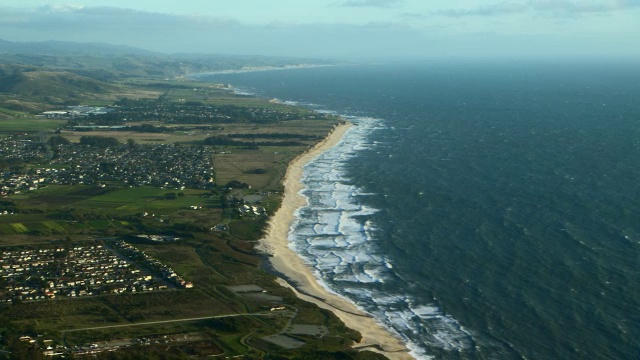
x,y
243,91
298,103
337,236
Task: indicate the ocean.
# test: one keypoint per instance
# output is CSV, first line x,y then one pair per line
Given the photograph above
x,y
479,210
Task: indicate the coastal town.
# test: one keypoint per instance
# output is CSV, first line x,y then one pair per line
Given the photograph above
x,y
132,226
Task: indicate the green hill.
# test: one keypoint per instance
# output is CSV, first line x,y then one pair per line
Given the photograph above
x,y
60,48
46,75
52,83
116,63
25,89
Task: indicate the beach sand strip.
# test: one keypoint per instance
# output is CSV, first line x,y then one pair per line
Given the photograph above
x,y
299,276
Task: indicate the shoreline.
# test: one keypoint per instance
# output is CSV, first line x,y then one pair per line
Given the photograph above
x,y
251,69
299,277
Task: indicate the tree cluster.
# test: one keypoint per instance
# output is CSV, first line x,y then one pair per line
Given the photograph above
x,y
99,141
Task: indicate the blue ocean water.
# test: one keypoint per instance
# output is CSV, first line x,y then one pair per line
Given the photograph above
x,y
479,210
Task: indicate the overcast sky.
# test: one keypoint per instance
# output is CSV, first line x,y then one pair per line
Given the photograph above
x,y
351,29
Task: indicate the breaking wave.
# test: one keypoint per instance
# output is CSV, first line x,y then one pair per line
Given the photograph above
x,y
336,235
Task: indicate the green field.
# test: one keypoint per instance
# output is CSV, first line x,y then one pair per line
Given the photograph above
x,y
29,224
10,112
19,228
12,126
52,225
6,229
69,210
146,199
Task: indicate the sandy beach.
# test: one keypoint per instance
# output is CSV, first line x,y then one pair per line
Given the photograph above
x,y
300,277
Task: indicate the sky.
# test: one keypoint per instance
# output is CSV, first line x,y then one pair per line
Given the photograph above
x,y
343,29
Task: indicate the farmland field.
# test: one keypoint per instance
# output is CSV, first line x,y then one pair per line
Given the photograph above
x,y
12,126
52,225
19,228
145,199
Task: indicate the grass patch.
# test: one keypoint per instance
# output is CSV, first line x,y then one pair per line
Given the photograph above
x,y
19,228
56,196
10,112
100,224
12,126
53,225
5,229
147,199
130,195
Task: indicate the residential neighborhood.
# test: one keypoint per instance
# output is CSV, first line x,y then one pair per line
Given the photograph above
x,y
61,271
186,112
162,165
152,264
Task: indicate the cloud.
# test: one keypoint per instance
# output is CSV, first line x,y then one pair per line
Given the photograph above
x,y
60,17
173,33
415,15
370,3
59,8
552,7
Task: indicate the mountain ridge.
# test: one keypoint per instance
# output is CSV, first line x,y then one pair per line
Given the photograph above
x,y
55,47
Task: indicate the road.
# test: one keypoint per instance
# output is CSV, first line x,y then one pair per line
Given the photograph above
x,y
167,321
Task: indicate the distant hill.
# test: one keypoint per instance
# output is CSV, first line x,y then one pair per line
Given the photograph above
x,y
39,75
62,48
27,88
51,83
114,62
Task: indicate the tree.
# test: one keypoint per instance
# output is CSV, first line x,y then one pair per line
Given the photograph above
x,y
235,184
58,140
